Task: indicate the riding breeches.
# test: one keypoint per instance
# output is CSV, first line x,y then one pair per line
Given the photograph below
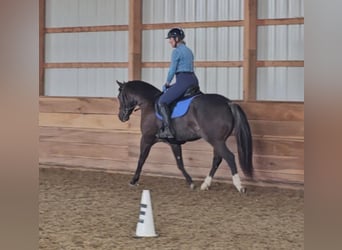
x,y
184,80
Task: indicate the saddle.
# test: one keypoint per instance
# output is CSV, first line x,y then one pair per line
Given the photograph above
x,y
180,106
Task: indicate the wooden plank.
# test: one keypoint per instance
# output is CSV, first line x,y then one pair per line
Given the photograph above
x,y
281,21
250,45
81,105
135,39
274,111
87,121
87,29
222,173
261,129
207,24
86,163
278,180
266,152
217,64
41,47
86,65
168,170
278,152
287,63
279,177
204,64
87,136
285,164
281,130
278,148
62,149
231,23
261,146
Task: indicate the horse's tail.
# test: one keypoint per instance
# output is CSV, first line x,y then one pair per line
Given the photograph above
x,y
243,139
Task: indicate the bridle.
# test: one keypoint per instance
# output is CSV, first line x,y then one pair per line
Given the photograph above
x,y
126,111
130,109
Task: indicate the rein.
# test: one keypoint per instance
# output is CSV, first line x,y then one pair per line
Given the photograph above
x,y
131,109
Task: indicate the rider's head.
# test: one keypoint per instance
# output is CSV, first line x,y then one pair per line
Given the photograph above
x,y
177,34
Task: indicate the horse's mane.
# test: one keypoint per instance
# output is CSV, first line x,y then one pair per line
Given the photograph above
x,y
145,90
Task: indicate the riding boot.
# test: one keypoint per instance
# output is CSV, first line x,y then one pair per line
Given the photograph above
x,y
167,132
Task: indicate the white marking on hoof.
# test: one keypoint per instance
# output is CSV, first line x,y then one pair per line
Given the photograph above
x,y
192,186
237,183
206,184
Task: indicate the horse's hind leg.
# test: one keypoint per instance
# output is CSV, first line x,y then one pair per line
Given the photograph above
x,y
222,149
217,159
177,152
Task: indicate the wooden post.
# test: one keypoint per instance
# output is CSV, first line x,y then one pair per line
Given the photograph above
x,y
134,34
41,46
250,44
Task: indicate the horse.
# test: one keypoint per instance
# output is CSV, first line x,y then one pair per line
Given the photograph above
x,y
211,117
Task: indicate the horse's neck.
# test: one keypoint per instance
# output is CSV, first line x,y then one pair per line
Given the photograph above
x,y
144,104
146,101
147,107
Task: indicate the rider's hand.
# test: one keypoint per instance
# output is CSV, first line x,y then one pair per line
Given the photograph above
x,y
166,86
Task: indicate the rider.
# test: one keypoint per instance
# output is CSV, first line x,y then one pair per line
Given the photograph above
x,y
182,65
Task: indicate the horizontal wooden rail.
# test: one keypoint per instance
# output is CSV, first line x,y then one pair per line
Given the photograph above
x,y
197,64
87,65
209,24
201,64
280,63
87,29
281,21
155,26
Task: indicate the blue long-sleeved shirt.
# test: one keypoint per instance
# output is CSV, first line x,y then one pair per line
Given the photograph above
x,y
182,60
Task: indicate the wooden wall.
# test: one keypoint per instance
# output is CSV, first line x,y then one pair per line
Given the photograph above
x,y
86,133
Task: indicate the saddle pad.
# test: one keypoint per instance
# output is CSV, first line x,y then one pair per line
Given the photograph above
x,y
179,109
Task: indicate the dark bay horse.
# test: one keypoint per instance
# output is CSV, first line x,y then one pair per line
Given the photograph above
x,y
210,116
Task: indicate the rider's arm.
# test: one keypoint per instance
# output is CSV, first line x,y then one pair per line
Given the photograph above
x,y
175,57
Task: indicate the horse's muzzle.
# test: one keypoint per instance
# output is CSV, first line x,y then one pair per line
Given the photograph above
x,y
124,117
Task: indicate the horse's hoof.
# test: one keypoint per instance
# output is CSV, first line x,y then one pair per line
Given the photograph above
x,y
192,186
243,190
133,184
204,187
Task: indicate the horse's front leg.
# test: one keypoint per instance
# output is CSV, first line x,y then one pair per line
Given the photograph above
x,y
177,152
145,148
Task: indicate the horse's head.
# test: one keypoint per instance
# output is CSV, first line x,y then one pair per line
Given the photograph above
x,y
127,102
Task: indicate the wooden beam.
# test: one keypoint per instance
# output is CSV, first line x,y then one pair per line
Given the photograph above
x,y
209,24
205,64
250,44
280,21
87,29
280,63
134,34
154,26
86,65
41,46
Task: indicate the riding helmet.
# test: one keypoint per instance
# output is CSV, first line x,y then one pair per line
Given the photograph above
x,y
176,32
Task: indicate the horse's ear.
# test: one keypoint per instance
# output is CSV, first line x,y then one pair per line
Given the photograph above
x,y
120,83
